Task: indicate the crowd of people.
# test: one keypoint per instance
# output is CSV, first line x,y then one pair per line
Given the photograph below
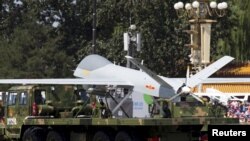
x,y
238,109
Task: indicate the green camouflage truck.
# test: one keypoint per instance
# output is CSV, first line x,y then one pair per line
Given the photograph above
x,y
31,113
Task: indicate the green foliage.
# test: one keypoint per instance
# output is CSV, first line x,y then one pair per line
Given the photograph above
x,y
32,48
161,39
235,27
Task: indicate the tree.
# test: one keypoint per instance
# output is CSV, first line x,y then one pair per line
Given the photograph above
x,y
235,27
49,38
32,49
162,48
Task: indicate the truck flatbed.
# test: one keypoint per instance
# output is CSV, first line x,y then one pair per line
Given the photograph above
x,y
29,118
131,121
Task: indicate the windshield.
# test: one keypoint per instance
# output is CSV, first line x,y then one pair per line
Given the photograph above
x,y
3,97
40,96
23,98
12,98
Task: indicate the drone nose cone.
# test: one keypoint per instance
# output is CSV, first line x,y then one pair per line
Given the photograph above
x,y
186,89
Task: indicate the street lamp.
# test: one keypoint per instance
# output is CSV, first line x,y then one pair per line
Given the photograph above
x,y
198,13
201,9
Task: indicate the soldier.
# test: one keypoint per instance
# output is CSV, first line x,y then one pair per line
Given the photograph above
x,y
105,112
166,110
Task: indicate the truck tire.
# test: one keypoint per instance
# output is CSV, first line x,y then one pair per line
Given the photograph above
x,y
32,134
123,136
101,136
54,136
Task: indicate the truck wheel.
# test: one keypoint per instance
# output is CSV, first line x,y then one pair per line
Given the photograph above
x,y
54,136
123,136
101,136
32,134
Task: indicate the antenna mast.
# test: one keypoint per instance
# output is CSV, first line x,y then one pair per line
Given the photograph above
x,y
94,28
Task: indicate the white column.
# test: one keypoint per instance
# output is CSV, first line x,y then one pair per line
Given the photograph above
x,y
205,42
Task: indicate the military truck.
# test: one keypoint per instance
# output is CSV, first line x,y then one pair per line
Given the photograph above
x,y
36,113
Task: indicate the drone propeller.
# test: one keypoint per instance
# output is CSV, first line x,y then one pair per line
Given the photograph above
x,y
185,90
197,97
